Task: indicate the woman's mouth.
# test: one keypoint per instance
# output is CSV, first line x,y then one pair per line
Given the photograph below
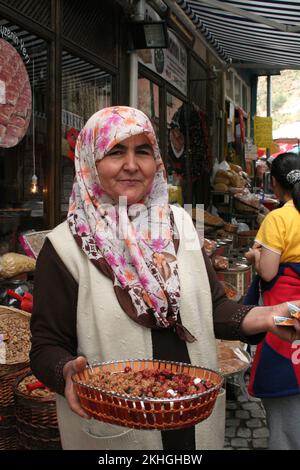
x,y
129,182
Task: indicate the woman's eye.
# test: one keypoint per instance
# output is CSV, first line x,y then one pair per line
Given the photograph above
x,y
145,153
114,153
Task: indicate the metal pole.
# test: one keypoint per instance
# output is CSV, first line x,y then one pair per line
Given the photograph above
x,y
269,103
133,85
139,15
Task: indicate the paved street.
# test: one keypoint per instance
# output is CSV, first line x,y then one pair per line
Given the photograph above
x,y
246,427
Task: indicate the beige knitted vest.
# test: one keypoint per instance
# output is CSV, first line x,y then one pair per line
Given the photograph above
x,y
106,333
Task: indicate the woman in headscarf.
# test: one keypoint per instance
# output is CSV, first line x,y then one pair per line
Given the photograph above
x,y
125,277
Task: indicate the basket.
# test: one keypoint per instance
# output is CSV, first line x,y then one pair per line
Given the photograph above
x,y
232,358
21,358
209,219
36,419
8,438
230,228
8,429
147,413
242,206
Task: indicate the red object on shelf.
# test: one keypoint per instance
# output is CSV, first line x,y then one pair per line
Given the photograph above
x,y
26,300
35,385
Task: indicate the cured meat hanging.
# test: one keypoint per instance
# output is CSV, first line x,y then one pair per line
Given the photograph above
x,y
15,96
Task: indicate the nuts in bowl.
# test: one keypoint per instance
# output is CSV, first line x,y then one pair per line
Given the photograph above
x,y
148,394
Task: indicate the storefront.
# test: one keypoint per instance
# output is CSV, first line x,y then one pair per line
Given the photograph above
x,y
237,109
60,62
174,90
64,60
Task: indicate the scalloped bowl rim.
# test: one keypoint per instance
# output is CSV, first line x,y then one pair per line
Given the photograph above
x,y
150,399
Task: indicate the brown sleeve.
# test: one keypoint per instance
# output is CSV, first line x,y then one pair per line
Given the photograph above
x,y
227,314
53,321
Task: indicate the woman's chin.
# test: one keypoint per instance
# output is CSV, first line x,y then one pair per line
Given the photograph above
x,y
130,198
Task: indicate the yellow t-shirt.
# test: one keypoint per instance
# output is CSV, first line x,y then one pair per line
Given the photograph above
x,y
280,232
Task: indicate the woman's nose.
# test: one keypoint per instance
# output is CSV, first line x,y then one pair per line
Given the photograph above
x,y
130,163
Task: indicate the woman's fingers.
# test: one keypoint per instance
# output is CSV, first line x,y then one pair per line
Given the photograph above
x,y
297,328
70,368
292,332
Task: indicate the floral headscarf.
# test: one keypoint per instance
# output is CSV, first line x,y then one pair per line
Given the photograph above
x,y
143,268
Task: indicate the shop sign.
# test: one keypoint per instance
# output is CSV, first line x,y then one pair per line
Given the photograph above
x,y
6,33
263,131
171,63
250,151
15,96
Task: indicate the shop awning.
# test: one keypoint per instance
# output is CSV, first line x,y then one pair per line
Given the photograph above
x,y
259,35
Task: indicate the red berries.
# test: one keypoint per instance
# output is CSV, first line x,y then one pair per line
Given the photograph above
x,y
157,383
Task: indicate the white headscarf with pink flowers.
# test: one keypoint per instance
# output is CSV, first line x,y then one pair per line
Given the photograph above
x,y
143,268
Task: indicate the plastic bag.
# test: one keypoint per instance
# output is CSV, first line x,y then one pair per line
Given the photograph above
x,y
242,227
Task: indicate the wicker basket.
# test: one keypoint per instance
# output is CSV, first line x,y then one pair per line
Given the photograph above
x,y
230,228
147,413
8,438
36,419
8,430
22,359
242,206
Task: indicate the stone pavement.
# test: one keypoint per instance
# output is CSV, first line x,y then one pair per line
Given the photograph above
x,y
246,427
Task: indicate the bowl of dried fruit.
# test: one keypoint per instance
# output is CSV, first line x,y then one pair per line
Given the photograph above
x,y
148,394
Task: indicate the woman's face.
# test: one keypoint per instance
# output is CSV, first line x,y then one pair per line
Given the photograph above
x,y
128,169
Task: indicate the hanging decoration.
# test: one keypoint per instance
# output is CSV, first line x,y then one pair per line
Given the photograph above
x,y
15,96
71,135
34,179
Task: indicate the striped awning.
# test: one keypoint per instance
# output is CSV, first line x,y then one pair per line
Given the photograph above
x,y
251,34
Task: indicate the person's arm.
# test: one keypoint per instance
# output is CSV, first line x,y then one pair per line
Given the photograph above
x,y
227,314
53,322
246,323
266,263
261,319
270,240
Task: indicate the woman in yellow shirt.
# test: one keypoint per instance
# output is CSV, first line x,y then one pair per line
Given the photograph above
x,y
275,375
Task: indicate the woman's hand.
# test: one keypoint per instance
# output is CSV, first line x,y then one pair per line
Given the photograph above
x,y
288,333
70,368
253,255
261,319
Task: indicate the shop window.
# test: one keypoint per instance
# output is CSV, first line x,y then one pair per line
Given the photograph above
x,y
148,101
92,27
37,10
176,161
23,131
85,90
198,83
